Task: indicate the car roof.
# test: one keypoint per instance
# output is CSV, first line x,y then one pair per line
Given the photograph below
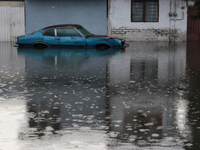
x,y
63,25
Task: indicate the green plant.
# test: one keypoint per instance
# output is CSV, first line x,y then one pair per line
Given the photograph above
x,y
196,10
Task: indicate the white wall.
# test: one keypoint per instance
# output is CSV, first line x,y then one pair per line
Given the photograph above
x,y
119,22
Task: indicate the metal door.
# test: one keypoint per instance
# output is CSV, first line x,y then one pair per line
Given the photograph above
x,y
193,28
91,14
12,21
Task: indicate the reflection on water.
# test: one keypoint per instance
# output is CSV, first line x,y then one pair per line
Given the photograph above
x,y
66,87
144,97
143,104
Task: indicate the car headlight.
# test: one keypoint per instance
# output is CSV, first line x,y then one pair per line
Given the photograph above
x,y
122,42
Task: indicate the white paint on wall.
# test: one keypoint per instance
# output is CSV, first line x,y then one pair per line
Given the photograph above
x,y
166,29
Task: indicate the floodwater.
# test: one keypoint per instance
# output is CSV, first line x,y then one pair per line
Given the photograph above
x,y
145,97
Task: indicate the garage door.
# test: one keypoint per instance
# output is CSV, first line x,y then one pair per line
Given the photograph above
x,y
92,14
12,22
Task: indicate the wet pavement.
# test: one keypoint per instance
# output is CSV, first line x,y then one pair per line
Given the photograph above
x,y
143,98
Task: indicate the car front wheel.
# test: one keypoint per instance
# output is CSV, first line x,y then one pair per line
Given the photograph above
x,y
102,47
40,46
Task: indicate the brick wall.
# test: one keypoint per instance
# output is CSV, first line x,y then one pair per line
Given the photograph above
x,y
153,34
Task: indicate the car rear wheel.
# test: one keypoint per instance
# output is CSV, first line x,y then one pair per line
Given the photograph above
x,y
40,46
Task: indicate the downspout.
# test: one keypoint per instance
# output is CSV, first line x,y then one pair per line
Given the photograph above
x,y
170,15
175,14
108,17
179,18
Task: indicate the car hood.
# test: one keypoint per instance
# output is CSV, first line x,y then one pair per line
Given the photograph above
x,y
104,36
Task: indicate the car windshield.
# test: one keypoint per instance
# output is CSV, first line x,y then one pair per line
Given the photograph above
x,y
84,31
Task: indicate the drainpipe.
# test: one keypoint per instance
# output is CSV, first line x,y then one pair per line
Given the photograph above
x,y
170,15
175,15
175,19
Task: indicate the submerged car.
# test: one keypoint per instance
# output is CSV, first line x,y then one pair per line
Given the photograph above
x,y
68,35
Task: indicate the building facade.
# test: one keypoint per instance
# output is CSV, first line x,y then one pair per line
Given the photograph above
x,y
137,20
148,20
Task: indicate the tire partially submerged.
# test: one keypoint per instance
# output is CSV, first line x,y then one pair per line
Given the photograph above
x,y
40,45
102,47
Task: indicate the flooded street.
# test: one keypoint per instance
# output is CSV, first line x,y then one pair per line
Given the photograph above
x,y
145,97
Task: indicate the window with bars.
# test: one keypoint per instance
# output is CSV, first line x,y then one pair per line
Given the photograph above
x,y
144,10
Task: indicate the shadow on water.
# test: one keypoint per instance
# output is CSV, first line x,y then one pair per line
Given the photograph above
x,y
146,97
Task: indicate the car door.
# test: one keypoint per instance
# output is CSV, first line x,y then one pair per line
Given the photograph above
x,y
69,37
49,37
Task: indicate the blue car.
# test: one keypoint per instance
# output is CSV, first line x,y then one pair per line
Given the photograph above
x,y
68,35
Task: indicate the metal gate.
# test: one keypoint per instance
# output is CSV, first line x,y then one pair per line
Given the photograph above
x,y
12,22
193,28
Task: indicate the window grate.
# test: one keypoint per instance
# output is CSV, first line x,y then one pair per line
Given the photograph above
x,y
144,10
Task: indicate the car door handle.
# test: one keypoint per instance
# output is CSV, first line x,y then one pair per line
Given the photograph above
x,y
57,38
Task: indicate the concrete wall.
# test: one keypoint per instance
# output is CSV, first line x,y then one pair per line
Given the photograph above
x,y
92,14
167,29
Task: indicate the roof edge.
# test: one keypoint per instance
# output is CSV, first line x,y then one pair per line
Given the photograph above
x,y
63,25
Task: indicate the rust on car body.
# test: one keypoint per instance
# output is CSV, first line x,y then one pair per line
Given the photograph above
x,y
103,36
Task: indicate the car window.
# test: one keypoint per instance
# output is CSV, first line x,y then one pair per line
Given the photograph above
x,y
67,32
84,31
49,32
